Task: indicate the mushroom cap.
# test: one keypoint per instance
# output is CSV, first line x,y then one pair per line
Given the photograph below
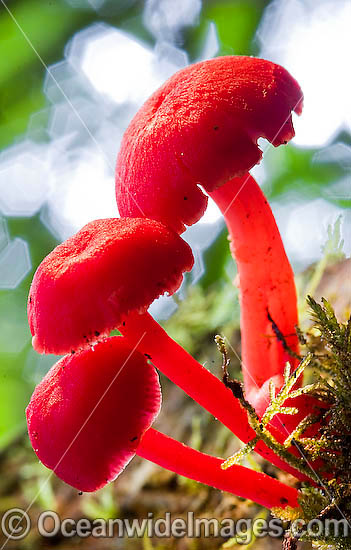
x,y
109,268
201,128
87,416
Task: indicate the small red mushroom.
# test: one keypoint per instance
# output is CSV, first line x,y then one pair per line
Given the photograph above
x,y
102,278
92,413
110,267
86,417
201,129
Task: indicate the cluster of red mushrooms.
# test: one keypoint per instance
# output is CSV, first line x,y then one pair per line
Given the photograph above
x,y
94,409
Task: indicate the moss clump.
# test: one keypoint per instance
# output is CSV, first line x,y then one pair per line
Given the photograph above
x,y
325,456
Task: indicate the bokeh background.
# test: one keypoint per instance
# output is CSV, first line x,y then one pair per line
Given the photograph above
x,y
72,75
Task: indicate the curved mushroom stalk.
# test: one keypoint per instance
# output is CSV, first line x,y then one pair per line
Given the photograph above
x,y
101,279
92,413
144,333
267,288
240,481
201,128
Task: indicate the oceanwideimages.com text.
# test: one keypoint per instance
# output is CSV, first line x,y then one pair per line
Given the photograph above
x,y
16,524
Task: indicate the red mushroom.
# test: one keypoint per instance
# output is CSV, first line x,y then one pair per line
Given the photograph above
x,y
102,278
201,128
88,416
110,267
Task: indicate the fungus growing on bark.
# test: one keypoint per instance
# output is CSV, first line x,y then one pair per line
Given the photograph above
x,y
201,129
92,413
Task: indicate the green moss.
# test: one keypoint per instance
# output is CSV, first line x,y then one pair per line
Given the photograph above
x,y
326,349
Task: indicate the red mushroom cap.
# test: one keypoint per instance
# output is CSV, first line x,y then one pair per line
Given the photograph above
x,y
109,268
201,128
86,417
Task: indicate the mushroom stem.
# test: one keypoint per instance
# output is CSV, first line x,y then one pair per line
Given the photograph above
x,y
241,481
267,289
144,333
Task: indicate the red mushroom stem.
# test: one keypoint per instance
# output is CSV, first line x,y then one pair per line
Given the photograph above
x,y
98,404
92,283
144,333
241,481
201,128
266,283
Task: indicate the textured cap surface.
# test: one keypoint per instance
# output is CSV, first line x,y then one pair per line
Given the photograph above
x,y
86,417
109,268
201,127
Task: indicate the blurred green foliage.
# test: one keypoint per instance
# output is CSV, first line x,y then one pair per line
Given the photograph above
x,y
236,24
296,170
48,26
15,338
